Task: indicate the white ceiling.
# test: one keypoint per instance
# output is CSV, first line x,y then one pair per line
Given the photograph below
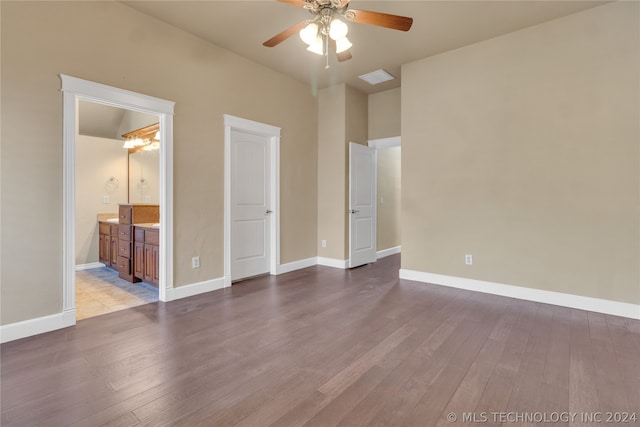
x,y
242,26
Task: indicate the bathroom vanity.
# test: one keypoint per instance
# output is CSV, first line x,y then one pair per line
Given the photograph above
x,y
130,243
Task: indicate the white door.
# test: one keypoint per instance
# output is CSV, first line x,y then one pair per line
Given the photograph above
x,y
362,204
250,211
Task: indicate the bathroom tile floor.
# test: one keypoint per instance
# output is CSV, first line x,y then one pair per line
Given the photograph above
x,y
100,291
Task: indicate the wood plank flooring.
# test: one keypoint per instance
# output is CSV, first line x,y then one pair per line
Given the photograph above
x,y
325,347
100,291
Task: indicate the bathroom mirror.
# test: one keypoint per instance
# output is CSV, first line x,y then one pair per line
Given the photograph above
x,y
144,177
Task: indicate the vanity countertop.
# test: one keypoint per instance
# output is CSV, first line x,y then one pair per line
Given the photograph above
x,y
108,217
148,225
143,224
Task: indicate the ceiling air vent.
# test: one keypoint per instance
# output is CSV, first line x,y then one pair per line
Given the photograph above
x,y
376,77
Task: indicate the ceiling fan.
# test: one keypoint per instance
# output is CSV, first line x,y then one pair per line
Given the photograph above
x,y
327,29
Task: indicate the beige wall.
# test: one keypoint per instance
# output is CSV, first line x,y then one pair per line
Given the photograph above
x,y
109,43
523,151
389,190
342,114
384,114
332,164
97,160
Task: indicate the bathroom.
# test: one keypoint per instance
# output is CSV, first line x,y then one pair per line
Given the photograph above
x,y
117,167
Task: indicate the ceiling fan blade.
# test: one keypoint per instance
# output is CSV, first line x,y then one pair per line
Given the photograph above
x,y
395,22
342,56
280,37
299,3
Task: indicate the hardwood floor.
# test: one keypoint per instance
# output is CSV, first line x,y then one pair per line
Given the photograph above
x,y
100,291
326,347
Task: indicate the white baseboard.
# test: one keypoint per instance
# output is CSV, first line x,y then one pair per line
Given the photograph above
x,y
195,289
39,325
332,262
548,297
296,265
91,265
386,252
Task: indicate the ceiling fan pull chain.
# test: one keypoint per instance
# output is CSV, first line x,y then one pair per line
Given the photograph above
x,y
326,51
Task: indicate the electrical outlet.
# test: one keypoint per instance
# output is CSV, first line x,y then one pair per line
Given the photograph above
x,y
324,243
105,200
195,262
468,259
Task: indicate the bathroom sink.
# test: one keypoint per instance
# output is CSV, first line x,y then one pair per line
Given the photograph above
x,y
112,220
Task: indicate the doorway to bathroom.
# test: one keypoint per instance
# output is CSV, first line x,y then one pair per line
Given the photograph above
x,y
145,223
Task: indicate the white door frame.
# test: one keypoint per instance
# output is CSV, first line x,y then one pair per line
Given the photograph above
x,y
273,133
73,90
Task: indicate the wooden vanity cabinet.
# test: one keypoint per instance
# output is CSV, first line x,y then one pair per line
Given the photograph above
x,y
128,254
104,243
120,249
147,255
138,214
108,244
113,250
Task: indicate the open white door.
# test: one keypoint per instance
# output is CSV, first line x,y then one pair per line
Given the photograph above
x,y
250,210
362,205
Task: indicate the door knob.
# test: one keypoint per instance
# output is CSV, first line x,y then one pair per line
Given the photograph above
x,y
353,211
268,211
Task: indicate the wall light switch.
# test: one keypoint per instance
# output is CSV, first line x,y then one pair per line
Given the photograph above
x,y
324,243
105,200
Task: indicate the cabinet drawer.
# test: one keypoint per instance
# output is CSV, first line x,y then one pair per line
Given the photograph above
x,y
104,228
124,232
124,214
152,237
139,234
124,266
124,248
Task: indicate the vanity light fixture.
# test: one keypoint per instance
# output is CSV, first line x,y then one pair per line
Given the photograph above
x,y
146,138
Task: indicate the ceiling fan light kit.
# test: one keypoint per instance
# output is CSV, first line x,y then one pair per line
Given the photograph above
x,y
325,25
327,29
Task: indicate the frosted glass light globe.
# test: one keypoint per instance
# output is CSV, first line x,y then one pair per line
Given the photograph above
x,y
338,29
309,33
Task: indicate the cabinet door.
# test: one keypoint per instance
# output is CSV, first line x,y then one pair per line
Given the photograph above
x,y
138,260
113,252
156,265
103,254
148,263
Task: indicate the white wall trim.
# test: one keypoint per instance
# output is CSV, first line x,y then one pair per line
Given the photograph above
x,y
548,297
89,266
73,90
393,141
195,288
332,262
273,133
39,325
114,96
297,265
387,252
